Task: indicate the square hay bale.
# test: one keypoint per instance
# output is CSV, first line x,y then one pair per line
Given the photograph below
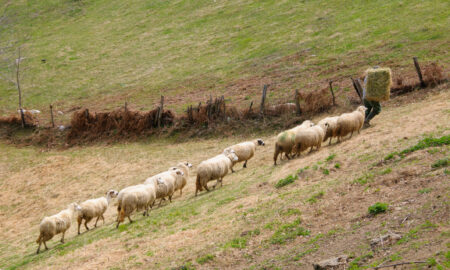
x,y
378,86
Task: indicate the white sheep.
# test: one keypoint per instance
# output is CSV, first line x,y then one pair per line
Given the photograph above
x,y
166,186
286,140
350,122
244,151
53,225
138,197
332,127
214,169
310,137
95,208
182,181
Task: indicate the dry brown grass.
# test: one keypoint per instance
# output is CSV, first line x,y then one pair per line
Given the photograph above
x,y
36,184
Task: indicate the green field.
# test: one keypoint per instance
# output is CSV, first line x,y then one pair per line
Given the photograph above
x,y
104,52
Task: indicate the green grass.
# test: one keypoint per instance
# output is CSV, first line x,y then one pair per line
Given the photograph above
x,y
116,51
316,196
440,163
422,144
288,231
378,208
425,190
205,259
286,181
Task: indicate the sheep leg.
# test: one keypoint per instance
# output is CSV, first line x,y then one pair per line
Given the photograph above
x,y
310,150
351,134
79,220
39,247
221,183
64,232
85,224
232,171
95,225
206,187
245,164
181,192
170,198
129,218
118,222
329,142
45,245
103,218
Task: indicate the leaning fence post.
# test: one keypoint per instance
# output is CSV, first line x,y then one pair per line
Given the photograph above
x,y
51,115
357,87
419,72
298,110
332,93
263,100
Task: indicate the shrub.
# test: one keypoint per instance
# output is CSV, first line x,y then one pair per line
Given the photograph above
x,y
378,208
286,181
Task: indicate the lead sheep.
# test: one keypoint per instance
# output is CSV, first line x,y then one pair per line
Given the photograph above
x,y
138,197
95,208
332,127
214,169
166,186
182,181
286,140
244,151
350,122
53,225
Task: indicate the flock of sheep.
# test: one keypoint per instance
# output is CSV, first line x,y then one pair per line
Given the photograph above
x,y
165,184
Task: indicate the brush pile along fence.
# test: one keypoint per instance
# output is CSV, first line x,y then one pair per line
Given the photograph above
x,y
16,121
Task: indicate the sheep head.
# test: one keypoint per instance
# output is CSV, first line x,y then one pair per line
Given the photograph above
x,y
112,193
260,142
231,154
361,109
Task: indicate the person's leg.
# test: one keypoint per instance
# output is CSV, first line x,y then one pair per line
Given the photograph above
x,y
376,109
368,105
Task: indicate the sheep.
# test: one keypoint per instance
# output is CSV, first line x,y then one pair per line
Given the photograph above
x,y
53,225
310,137
136,197
332,127
166,187
350,122
182,181
286,140
95,208
244,151
214,169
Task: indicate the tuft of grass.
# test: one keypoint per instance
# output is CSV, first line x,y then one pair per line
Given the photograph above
x,y
337,165
366,178
440,163
286,181
378,208
330,157
239,243
325,171
205,259
315,197
288,231
412,234
386,171
425,190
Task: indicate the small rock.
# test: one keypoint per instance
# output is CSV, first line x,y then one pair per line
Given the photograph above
x,y
335,263
387,239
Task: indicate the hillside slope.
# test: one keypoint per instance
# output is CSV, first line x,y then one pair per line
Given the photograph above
x,y
102,53
248,223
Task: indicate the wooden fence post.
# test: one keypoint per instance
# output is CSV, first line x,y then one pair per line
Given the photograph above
x,y
419,72
263,100
160,111
125,106
332,93
51,115
298,110
357,87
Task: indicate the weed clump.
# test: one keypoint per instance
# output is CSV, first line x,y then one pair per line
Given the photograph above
x,y
286,181
205,259
422,144
440,163
315,197
288,231
378,208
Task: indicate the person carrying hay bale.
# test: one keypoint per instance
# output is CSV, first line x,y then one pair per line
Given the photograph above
x,y
377,87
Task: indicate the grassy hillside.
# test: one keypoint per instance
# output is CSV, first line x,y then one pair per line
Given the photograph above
x,y
248,223
102,52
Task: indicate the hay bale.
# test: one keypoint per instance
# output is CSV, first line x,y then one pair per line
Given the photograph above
x,y
378,86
